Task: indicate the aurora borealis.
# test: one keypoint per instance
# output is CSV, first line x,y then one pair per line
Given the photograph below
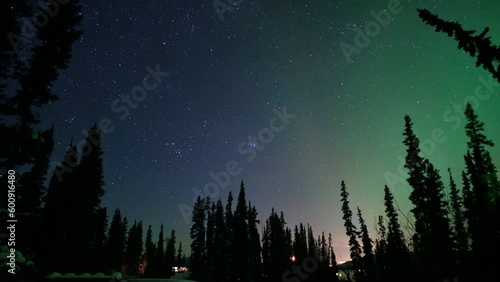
x,y
230,79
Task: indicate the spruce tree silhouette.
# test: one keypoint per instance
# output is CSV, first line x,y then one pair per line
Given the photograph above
x,y
26,84
368,259
352,232
149,253
254,250
482,200
170,255
220,243
478,46
395,254
134,249
198,243
240,239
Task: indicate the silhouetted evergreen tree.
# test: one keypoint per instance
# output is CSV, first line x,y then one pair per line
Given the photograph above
x,y
240,238
393,250
469,212
32,77
476,46
266,252
415,164
460,236
210,242
332,260
229,234
197,263
159,262
26,84
87,192
300,243
296,241
221,272
311,246
467,196
117,238
28,71
254,250
72,202
57,212
170,254
150,254
29,191
318,247
276,258
381,251
288,238
443,258
180,253
323,260
432,239
99,245
368,257
352,233
484,204
134,249
303,235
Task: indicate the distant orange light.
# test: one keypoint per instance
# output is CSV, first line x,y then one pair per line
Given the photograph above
x,y
293,258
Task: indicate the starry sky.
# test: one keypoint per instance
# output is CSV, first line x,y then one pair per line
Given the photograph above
x,y
231,77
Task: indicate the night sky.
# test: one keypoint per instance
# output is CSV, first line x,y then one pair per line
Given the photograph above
x,y
227,79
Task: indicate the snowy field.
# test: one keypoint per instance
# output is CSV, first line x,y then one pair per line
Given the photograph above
x,y
160,280
178,277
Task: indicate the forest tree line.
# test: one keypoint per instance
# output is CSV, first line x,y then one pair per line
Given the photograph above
x,y
227,245
64,228
454,235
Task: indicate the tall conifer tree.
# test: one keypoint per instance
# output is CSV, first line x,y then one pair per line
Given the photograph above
x,y
432,239
116,243
240,238
460,236
229,221
393,250
210,241
220,243
484,204
352,233
198,244
170,254
369,257
149,253
254,250
180,252
134,249
381,251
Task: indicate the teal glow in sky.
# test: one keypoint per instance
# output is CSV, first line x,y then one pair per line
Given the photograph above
x,y
225,79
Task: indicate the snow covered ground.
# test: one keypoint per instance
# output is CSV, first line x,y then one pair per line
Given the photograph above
x,y
160,280
178,277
